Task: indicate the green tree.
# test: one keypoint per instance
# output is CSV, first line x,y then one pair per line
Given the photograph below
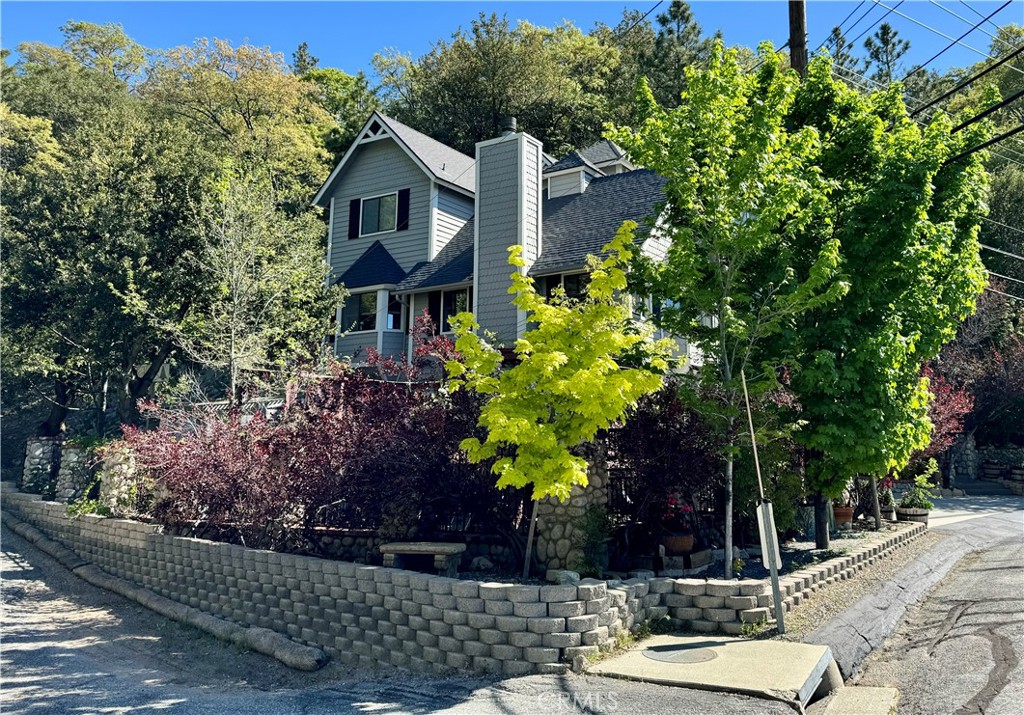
x,y
267,274
244,103
843,59
348,99
907,223
114,208
551,80
741,184
885,48
303,60
570,380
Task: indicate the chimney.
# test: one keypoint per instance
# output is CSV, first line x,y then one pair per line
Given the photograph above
x,y
508,213
508,126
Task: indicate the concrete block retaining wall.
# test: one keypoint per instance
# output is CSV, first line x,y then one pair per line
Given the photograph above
x,y
370,615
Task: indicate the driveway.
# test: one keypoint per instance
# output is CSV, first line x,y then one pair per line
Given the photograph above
x,y
69,647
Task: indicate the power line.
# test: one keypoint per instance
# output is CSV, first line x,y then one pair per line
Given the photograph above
x,y
840,25
999,250
978,26
993,108
1008,295
1002,225
940,33
644,17
1005,278
867,12
953,43
983,145
977,13
969,80
876,22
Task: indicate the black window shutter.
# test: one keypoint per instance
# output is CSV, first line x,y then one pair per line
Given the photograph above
x,y
353,218
434,309
403,210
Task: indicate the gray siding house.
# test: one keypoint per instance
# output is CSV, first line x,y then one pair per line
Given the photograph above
x,y
416,225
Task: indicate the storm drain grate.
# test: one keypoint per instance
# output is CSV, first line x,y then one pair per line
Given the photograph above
x,y
682,653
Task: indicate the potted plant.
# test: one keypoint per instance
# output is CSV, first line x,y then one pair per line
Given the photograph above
x,y
842,509
916,502
886,502
678,522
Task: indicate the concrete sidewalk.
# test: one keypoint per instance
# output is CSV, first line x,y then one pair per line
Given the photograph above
x,y
776,670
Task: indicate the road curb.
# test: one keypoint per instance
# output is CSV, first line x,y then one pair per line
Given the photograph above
x,y
261,640
863,627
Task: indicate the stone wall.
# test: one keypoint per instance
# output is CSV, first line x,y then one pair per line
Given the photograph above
x,y
370,615
42,457
559,534
963,461
75,473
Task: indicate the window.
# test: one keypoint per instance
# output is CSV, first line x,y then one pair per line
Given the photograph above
x,y
367,312
379,214
396,313
574,285
453,302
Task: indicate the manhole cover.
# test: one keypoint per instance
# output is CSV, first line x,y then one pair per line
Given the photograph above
x,y
680,654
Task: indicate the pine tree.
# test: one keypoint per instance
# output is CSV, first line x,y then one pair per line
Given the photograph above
x,y
885,48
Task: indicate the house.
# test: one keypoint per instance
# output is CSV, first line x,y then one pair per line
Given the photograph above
x,y
416,225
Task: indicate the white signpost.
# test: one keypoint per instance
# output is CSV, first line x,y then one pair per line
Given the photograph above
x,y
766,523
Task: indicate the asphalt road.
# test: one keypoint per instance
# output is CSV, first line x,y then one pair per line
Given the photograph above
x,y
69,647
948,630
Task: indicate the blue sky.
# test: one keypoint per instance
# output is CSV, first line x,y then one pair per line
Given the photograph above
x,y
347,34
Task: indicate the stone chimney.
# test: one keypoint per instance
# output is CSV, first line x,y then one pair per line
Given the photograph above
x,y
508,213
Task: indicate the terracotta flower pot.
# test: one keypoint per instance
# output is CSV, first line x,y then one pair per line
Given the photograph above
x,y
909,514
844,516
678,544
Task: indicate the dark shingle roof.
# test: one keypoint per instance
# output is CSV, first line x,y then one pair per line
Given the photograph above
x,y
454,264
375,267
602,151
572,160
574,227
447,164
580,225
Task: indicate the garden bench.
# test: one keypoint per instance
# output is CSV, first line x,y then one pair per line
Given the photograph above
x,y
446,555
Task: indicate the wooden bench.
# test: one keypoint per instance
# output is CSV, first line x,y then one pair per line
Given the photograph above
x,y
446,555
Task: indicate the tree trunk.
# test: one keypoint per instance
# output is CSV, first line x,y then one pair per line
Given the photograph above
x,y
875,506
529,541
821,507
728,503
135,387
63,396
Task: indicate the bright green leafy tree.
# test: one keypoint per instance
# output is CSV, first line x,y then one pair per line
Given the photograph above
x,y
570,380
741,185
907,222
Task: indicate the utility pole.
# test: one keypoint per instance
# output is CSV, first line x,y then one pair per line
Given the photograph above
x,y
798,36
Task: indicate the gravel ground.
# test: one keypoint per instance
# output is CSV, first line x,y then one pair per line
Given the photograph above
x,y
832,600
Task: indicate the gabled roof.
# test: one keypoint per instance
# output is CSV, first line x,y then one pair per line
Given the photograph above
x,y
441,163
375,267
573,160
602,152
574,227
581,224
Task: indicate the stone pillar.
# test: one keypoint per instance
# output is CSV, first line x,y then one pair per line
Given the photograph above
x,y
963,460
122,488
42,458
559,539
74,475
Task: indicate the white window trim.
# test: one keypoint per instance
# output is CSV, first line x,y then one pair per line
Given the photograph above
x,y
371,198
